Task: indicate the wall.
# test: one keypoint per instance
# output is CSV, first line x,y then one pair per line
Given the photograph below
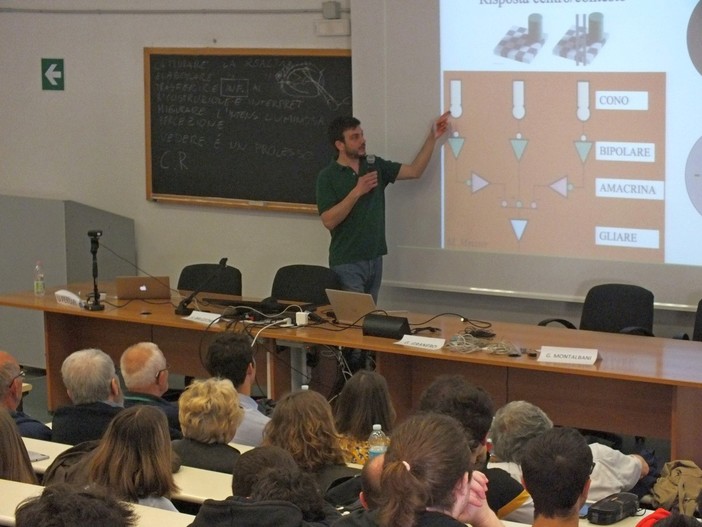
x,y
86,143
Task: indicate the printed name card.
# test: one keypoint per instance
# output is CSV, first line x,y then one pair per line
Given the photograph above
x,y
427,343
567,355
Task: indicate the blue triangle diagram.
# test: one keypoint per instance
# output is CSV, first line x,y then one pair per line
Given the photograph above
x,y
519,226
583,149
519,145
456,144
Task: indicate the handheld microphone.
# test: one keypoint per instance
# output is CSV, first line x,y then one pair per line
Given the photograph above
x,y
95,233
370,163
183,309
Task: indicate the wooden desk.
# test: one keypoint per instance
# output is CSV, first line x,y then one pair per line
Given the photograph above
x,y
641,385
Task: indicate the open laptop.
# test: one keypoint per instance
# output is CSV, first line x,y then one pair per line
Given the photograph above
x,y
350,307
143,287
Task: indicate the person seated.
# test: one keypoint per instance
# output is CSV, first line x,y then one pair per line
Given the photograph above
x,y
14,459
230,356
62,505
133,459
92,385
556,467
363,401
145,374
268,490
472,407
209,415
428,479
520,421
302,424
11,377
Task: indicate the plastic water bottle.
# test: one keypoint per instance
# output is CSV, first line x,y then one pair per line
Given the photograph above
x,y
39,286
377,442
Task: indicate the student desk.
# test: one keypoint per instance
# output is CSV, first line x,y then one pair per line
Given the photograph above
x,y
642,386
13,493
195,485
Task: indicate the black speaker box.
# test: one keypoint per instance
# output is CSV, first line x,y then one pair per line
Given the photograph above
x,y
385,326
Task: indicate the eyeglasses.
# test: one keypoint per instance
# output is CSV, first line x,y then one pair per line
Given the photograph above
x,y
20,374
592,467
159,372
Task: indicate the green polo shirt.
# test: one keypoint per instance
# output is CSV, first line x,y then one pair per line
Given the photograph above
x,y
361,236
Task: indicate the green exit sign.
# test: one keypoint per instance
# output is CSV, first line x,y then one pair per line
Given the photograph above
x,y
52,77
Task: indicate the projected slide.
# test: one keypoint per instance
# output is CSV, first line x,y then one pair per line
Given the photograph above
x,y
573,134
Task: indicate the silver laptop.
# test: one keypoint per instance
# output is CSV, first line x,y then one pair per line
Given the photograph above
x,y
350,306
143,287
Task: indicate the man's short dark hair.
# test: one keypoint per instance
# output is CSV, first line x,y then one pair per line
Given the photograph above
x,y
338,126
61,505
229,356
556,466
470,405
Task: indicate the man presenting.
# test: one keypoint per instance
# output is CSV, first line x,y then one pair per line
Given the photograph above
x,y
351,201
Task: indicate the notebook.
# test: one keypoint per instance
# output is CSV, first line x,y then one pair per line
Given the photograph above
x,y
143,287
350,306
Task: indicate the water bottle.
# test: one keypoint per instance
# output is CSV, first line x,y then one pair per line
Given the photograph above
x,y
39,287
377,442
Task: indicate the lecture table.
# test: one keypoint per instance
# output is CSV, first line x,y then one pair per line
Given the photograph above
x,y
643,386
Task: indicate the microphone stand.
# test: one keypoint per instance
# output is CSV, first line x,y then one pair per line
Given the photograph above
x,y
95,305
183,310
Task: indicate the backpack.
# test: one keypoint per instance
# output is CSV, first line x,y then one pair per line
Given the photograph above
x,y
678,487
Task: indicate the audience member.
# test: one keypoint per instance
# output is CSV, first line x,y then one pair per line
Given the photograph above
x,y
370,482
268,489
427,479
302,424
209,416
65,506
556,466
472,407
145,374
252,462
14,460
11,379
230,356
92,385
133,459
363,401
519,421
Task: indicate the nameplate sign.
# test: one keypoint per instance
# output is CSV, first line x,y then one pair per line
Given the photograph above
x,y
567,355
203,317
427,343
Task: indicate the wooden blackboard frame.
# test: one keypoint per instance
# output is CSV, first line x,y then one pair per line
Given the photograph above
x,y
152,129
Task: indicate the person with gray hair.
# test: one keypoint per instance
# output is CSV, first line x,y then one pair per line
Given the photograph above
x,y
518,422
145,374
91,382
11,377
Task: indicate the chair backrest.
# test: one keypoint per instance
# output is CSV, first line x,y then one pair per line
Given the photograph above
x,y
613,307
194,276
697,329
304,283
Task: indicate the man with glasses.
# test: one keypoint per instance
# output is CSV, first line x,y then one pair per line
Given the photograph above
x,y
92,384
145,373
11,378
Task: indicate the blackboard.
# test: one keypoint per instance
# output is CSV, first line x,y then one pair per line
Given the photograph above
x,y
241,127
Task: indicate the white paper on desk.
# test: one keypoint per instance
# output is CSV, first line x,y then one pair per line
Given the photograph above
x,y
567,355
203,317
427,343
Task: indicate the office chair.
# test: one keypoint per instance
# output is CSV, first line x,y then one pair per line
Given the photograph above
x,y
615,308
195,276
696,329
304,283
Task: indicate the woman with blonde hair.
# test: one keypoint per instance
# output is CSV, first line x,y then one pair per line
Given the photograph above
x,y
427,478
14,460
133,458
302,423
209,415
363,401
